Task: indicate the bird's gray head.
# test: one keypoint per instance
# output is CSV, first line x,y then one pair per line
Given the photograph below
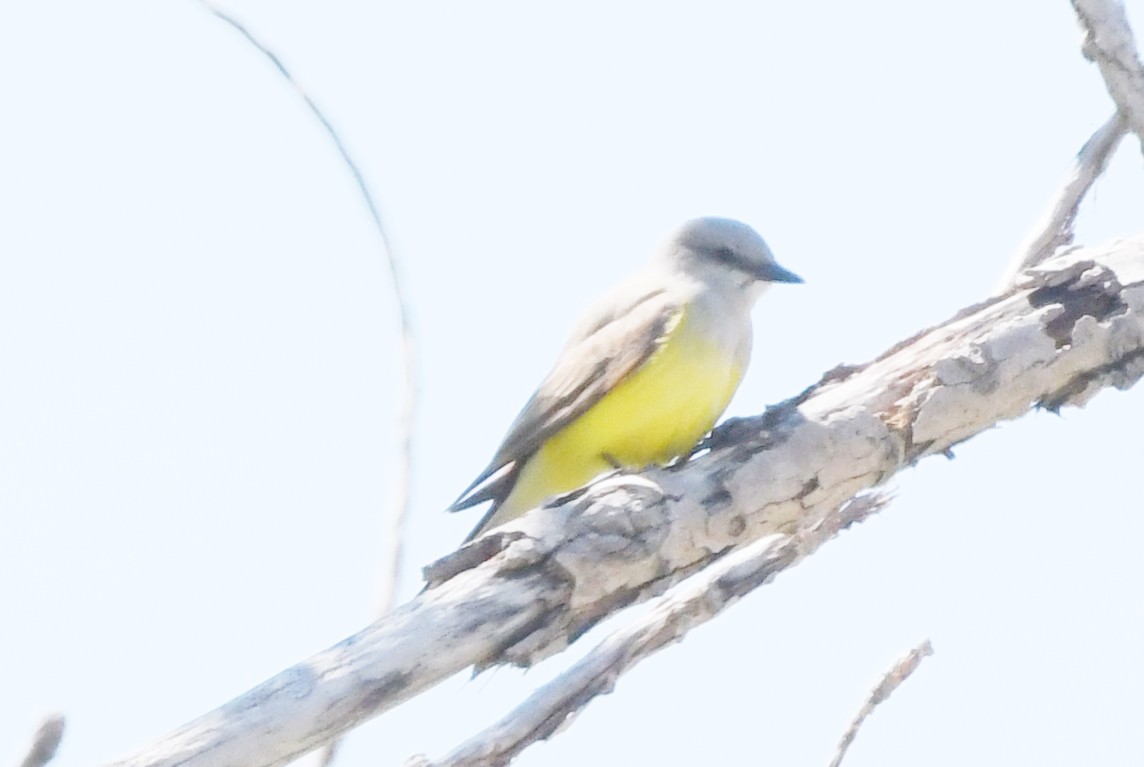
x,y
710,245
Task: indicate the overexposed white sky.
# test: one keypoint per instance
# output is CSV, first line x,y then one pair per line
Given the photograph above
x,y
199,354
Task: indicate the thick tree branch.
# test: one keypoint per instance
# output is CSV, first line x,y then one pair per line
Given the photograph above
x,y
686,605
1068,329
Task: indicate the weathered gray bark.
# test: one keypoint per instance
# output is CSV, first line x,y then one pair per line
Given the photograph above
x,y
1066,330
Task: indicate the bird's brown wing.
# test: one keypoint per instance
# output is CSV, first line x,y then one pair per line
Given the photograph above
x,y
611,342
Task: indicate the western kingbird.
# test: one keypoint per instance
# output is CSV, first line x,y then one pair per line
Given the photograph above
x,y
645,375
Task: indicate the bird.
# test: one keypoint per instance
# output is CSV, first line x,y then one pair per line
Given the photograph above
x,y
644,375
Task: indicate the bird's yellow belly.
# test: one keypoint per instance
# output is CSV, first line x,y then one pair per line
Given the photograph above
x,y
657,413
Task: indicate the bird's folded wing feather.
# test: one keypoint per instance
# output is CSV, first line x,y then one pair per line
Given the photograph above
x,y
612,341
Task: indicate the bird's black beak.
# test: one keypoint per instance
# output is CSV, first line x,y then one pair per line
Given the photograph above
x,y
772,272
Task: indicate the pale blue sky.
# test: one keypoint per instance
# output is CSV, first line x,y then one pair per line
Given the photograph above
x,y
197,406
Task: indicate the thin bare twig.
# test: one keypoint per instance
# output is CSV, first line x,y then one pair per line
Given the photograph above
x,y
45,743
394,522
685,606
1055,229
329,752
897,674
409,396
1108,41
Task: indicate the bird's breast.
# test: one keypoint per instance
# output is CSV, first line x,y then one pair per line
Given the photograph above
x,y
658,412
663,408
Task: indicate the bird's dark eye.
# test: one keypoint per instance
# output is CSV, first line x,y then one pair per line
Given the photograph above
x,y
728,256
724,254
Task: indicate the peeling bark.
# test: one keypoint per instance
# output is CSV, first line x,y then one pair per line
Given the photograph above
x,y
1066,330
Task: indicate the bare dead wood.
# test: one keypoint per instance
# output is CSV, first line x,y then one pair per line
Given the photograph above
x,y
45,742
686,605
1055,229
1067,329
1109,43
890,681
394,522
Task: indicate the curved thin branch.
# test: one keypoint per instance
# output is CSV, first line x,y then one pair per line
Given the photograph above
x,y
395,521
